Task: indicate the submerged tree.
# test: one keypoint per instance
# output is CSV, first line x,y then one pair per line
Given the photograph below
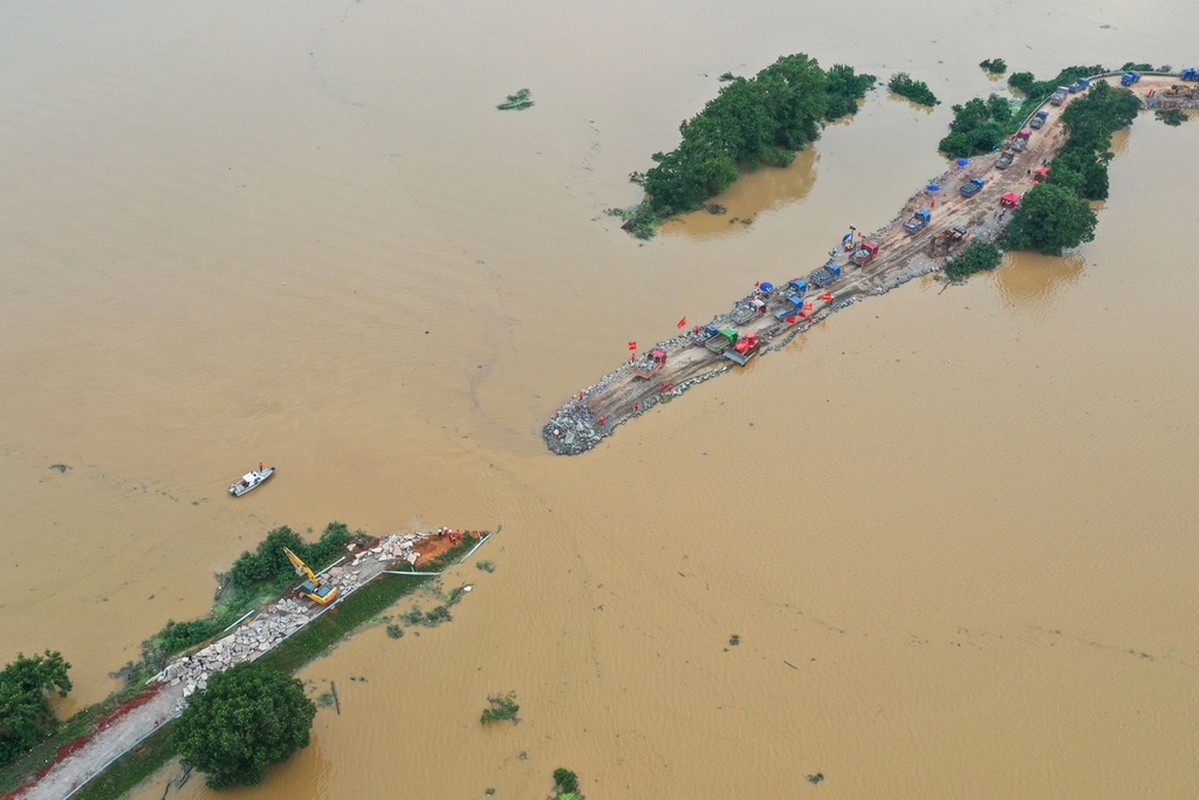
x,y
247,718
1050,219
25,713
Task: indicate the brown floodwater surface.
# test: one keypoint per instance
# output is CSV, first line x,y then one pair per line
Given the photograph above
x,y
953,529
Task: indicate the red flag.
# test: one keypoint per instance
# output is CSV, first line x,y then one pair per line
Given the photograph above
x,y
757,284
803,315
790,320
632,345
826,296
682,323
807,306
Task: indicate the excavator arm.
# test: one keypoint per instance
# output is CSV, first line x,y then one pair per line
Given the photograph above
x,y
301,567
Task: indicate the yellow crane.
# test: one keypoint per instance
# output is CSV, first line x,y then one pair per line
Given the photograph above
x,y
314,588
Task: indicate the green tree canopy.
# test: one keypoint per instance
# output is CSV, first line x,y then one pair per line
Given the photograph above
x,y
751,122
1050,219
247,718
25,714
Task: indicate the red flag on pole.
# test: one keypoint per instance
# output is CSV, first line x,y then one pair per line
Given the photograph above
x,y
632,345
826,296
790,320
757,284
807,306
682,323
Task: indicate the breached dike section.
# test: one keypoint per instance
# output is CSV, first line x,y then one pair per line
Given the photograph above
x,y
594,413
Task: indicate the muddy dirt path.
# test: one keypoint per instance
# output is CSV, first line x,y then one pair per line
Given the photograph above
x,y
619,396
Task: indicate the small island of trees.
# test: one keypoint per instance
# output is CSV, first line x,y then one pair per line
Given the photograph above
x,y
752,122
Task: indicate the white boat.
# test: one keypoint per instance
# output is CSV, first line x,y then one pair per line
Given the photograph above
x,y
251,480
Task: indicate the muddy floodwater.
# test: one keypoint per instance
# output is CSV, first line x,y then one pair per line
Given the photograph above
x,y
953,530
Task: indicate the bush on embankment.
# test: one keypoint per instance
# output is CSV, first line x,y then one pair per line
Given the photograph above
x,y
254,576
978,256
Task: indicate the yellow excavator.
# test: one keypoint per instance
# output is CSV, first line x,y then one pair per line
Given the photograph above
x,y
314,588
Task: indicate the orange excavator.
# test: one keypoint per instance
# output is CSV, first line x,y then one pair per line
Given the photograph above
x,y
313,588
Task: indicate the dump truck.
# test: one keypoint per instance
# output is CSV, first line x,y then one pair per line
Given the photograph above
x,y
1005,160
1079,85
1059,96
704,334
865,253
972,187
1189,74
648,366
822,276
792,295
918,221
1039,119
724,338
744,349
1129,78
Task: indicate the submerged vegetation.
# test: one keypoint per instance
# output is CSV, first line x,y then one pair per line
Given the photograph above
x,y
516,102
1172,116
979,126
25,714
917,91
752,122
500,708
979,256
995,66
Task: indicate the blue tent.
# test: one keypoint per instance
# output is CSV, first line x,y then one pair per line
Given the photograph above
x,y
932,187
961,162
766,286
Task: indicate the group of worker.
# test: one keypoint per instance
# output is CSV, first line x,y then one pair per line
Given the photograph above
x,y
454,534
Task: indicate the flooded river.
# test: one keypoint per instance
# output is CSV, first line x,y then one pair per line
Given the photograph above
x,y
952,530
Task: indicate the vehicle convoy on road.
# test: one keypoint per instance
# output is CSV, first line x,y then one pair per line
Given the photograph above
x,y
918,221
314,588
791,295
866,251
1038,120
822,276
972,187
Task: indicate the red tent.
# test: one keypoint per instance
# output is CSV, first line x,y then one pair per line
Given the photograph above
x,y
1009,200
1039,174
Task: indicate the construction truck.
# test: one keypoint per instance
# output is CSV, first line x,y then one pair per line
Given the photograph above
x,y
1129,78
1189,74
744,349
918,221
865,253
648,366
1038,120
822,276
946,240
724,338
1177,90
972,187
1059,96
314,588
704,334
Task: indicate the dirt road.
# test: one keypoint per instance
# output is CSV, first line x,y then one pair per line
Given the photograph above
x,y
584,420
